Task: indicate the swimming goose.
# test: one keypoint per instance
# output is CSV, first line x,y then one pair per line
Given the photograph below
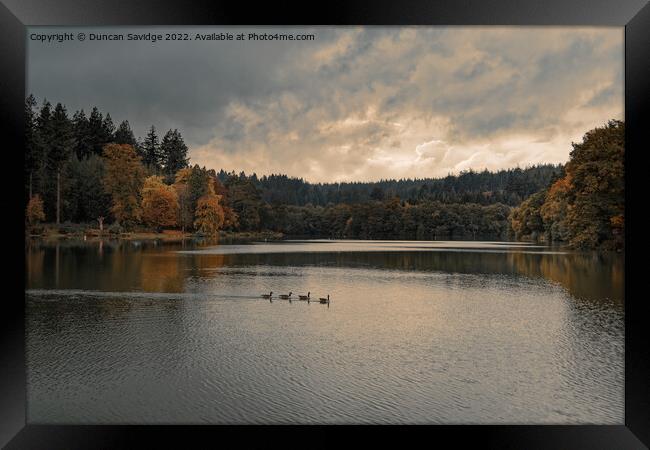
x,y
304,297
285,296
325,300
267,295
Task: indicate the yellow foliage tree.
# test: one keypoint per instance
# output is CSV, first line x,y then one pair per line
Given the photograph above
x,y
183,175
185,213
209,214
159,203
123,180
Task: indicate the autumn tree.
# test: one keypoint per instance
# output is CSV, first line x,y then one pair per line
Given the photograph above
x,y
555,208
34,211
185,211
191,183
209,214
585,207
159,203
595,215
123,180
197,193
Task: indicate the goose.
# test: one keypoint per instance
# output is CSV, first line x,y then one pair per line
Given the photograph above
x,y
304,297
325,300
267,295
286,297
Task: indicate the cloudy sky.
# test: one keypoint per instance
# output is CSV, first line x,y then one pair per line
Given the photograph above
x,y
353,104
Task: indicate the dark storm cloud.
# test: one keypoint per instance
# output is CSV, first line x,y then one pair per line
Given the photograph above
x,y
170,84
356,102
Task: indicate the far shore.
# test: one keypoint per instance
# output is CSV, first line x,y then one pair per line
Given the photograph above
x,y
166,235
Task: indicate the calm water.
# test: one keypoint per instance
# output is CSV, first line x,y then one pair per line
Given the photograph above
x,y
416,332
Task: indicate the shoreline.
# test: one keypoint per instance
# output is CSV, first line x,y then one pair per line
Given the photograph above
x,y
167,235
226,236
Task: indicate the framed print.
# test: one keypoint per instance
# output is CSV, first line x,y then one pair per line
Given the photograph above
x,y
235,219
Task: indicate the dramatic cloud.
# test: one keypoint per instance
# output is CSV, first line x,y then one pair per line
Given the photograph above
x,y
355,103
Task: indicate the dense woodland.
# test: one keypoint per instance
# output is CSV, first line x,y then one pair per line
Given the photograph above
x,y
585,207
85,170
509,187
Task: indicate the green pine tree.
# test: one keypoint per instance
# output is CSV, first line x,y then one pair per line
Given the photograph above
x,y
124,135
59,150
81,131
96,133
174,153
31,147
150,151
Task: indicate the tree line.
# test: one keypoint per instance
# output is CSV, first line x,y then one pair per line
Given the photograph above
x,y
86,170
508,186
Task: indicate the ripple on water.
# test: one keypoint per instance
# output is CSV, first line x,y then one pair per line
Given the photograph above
x,y
394,347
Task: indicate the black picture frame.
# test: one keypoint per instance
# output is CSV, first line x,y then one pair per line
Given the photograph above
x,y
634,15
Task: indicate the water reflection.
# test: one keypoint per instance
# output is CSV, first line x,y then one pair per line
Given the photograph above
x,y
158,332
158,266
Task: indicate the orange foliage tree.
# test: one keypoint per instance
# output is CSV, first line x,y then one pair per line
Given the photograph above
x,y
159,203
34,211
209,214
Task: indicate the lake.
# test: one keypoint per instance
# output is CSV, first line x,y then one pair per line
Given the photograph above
x,y
415,332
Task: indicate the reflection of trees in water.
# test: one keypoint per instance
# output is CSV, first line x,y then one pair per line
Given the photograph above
x,y
161,272
589,276
118,265
465,262
199,263
34,262
110,265
113,265
138,265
